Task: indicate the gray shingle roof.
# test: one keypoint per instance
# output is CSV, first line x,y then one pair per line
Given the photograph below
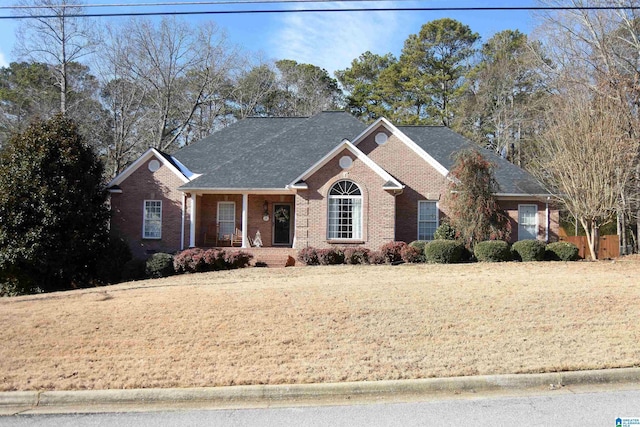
x,y
265,152
441,143
269,153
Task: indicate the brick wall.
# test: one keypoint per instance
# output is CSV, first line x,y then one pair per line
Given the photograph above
x,y
422,181
378,206
127,209
511,207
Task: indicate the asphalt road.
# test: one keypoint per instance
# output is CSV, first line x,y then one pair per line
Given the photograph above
x,y
597,408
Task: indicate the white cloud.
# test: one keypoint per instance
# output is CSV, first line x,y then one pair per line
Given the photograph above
x,y
331,40
3,60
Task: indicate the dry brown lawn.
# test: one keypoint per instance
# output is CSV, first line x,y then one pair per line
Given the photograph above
x,y
325,324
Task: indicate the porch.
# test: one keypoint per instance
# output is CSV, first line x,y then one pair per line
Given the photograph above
x,y
243,220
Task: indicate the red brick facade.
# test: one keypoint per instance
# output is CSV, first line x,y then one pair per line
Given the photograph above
x,y
421,180
127,210
378,205
387,214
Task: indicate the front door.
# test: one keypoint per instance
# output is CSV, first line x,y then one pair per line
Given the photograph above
x,y
281,224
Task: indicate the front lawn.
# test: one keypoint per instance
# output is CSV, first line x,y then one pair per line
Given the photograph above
x,y
325,324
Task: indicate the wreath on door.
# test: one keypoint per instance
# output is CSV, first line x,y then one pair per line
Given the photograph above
x,y
281,214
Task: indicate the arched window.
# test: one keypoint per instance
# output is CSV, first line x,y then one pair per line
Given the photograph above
x,y
345,211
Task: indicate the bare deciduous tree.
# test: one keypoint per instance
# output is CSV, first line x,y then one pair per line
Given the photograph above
x,y
57,41
597,51
179,69
586,156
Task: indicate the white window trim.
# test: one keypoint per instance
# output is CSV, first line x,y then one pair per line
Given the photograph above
x,y
356,197
144,220
218,221
418,216
536,217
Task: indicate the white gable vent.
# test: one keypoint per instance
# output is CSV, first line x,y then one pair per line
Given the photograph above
x,y
346,162
381,138
154,165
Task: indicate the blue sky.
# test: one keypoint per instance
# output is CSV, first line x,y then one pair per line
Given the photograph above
x,y
328,40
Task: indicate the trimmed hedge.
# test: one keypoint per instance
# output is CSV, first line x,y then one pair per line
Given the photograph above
x,y
561,251
233,260
377,257
196,260
331,256
492,251
189,261
356,255
308,256
411,254
392,251
443,251
159,265
528,250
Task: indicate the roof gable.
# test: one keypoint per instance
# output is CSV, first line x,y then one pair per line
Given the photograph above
x,y
382,122
390,182
174,166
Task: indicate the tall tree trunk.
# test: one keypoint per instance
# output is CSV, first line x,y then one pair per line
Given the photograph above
x,y
591,231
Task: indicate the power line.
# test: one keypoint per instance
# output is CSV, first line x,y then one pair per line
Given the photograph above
x,y
367,9
185,3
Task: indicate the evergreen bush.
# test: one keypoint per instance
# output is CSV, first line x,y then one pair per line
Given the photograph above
x,y
561,251
159,265
528,250
492,251
443,251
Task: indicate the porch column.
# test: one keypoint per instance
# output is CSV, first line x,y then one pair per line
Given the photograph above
x,y
245,219
192,222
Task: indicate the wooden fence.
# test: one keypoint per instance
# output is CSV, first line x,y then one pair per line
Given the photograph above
x,y
609,246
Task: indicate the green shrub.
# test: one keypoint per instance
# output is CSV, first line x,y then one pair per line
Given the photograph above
x,y
110,263
442,251
356,255
444,232
561,251
419,244
134,269
308,256
492,251
411,254
528,250
392,251
159,265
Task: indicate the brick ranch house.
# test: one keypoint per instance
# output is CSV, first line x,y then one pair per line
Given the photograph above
x,y
318,181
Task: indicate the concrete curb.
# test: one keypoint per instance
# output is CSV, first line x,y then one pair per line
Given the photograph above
x,y
299,394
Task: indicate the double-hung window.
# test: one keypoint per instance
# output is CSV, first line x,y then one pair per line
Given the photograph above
x,y
427,219
152,219
345,211
226,219
527,222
